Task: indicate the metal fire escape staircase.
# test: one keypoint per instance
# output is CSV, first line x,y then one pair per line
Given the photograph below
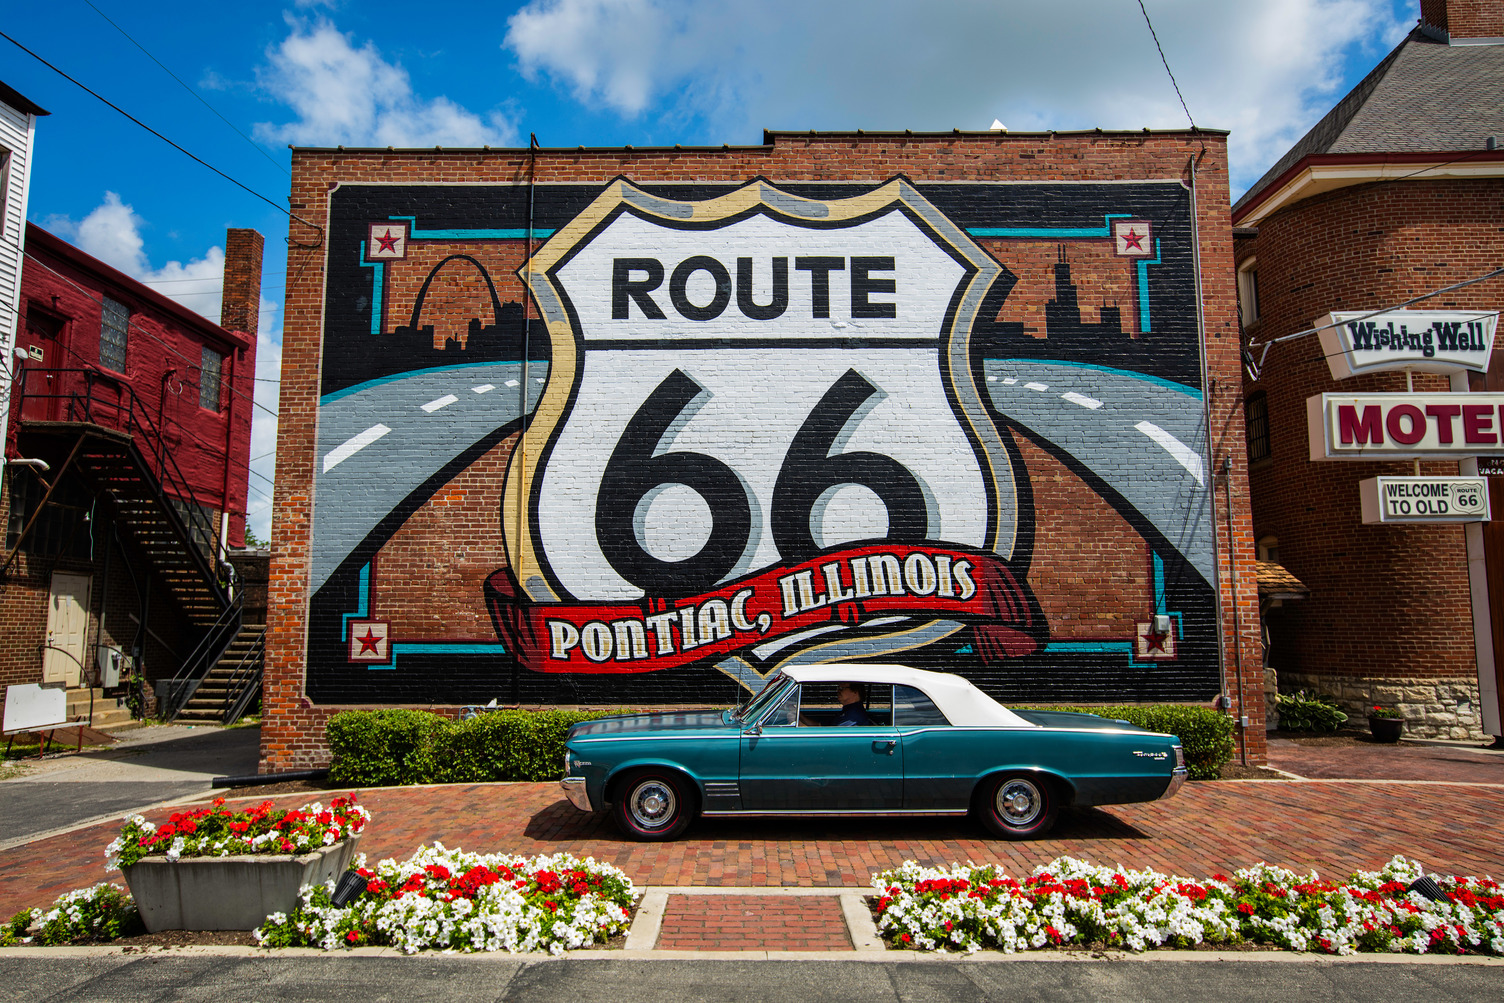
x,y
119,450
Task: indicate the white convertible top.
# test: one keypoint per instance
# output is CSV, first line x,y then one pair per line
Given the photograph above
x,y
962,703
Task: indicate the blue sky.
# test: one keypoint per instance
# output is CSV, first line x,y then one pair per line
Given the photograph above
x,y
607,72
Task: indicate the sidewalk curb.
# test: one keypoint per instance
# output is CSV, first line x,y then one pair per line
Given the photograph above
x,y
865,956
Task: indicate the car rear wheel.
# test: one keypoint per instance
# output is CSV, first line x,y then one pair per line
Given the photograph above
x,y
653,805
1017,805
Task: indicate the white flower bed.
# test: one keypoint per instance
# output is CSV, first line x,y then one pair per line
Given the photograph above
x,y
450,900
1069,901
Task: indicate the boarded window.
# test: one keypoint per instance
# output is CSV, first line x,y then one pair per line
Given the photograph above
x,y
211,368
114,323
1257,421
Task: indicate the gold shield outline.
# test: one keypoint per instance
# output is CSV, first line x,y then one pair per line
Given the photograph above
x,y
758,196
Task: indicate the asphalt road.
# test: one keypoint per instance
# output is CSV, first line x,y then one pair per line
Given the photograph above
x,y
149,766
75,979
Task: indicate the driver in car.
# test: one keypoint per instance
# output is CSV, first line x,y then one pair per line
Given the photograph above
x,y
853,713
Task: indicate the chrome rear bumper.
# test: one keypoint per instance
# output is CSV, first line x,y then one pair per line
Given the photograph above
x,y
574,790
1177,778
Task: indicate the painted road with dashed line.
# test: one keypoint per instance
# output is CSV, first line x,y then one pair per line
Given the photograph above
x,y
379,442
1145,438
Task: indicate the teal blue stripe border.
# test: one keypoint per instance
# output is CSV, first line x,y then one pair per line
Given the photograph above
x,y
1143,287
368,384
378,282
1158,380
1105,230
362,610
413,233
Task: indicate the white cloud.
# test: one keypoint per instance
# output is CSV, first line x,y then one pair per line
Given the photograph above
x,y
111,232
1266,71
348,96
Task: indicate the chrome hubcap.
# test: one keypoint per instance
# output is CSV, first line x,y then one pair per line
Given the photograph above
x,y
653,804
1019,802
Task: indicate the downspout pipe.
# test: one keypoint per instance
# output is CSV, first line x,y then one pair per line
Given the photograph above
x,y
1206,418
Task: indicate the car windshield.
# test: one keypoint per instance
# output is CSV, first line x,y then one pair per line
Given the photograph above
x,y
752,708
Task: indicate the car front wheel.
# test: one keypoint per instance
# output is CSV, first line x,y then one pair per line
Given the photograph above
x,y
1017,805
653,805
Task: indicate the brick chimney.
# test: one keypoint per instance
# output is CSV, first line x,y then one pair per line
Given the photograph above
x,y
240,303
1458,20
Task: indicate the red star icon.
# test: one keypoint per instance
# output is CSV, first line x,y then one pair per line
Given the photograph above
x,y
388,242
1154,640
368,643
1131,239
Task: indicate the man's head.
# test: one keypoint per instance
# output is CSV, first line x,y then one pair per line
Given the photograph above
x,y
851,693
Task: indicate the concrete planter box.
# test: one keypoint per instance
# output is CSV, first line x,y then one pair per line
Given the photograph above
x,y
229,893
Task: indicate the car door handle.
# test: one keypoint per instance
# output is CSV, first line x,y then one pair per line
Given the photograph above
x,y
885,745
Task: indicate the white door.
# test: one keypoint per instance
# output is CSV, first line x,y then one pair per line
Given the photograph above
x,y
67,629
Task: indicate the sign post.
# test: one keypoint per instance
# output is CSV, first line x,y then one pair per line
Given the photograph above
x,y
1420,426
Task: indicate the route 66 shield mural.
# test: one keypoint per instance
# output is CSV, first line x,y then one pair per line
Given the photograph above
x,y
761,440
644,442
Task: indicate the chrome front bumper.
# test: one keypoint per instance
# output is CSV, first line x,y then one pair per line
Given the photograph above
x,y
574,790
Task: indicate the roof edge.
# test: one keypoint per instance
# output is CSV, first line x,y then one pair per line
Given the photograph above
x,y
20,101
770,138
61,248
1311,161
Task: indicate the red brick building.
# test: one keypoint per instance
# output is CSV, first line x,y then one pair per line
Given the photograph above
x,y
1395,193
637,426
129,438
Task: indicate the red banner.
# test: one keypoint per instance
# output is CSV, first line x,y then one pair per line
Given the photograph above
x,y
848,586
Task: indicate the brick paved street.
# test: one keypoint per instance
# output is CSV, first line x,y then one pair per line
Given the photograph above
x,y
1332,826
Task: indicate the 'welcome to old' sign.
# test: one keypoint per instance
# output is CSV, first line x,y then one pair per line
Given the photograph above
x,y
1424,499
1401,426
1428,341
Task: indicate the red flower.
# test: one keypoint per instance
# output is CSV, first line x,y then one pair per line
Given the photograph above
x,y
1245,908
352,937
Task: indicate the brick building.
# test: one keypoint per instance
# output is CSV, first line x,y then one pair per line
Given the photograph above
x,y
941,398
139,413
1396,192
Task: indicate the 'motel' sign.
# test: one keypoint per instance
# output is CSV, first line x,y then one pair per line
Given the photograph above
x,y
1402,426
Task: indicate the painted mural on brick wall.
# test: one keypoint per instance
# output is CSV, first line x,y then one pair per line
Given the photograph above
x,y
732,428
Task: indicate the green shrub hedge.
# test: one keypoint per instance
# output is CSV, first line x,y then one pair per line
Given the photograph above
x,y
1206,736
391,747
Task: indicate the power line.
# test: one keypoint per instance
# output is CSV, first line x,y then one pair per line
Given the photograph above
x,y
190,90
1162,59
132,325
192,156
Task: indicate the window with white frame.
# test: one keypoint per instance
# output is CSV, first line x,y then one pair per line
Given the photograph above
x,y
114,328
1248,291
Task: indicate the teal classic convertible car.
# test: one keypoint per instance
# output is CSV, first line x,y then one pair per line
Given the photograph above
x,y
864,740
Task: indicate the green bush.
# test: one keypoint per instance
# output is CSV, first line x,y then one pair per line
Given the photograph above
x,y
1206,736
1309,711
392,747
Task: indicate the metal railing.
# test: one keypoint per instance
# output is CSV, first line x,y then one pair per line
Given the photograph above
x,y
173,694
83,395
244,682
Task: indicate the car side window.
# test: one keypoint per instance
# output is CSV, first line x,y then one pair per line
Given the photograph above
x,y
786,714
912,709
